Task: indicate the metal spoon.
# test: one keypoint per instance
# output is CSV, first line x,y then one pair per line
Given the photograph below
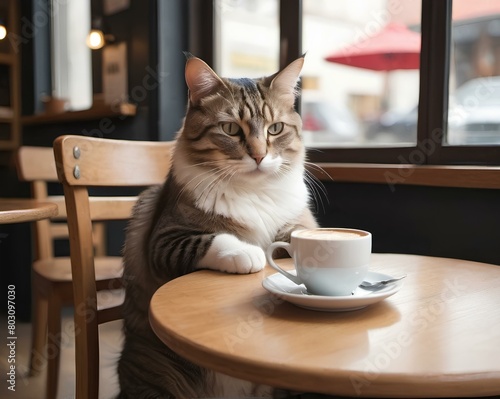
x,y
379,284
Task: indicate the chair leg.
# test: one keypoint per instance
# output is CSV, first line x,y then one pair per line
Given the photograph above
x,y
38,331
53,344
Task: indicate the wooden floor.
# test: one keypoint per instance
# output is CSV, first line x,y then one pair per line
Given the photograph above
x,y
111,339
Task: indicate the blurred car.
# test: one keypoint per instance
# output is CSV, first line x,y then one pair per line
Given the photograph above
x,y
325,123
474,113
473,117
394,127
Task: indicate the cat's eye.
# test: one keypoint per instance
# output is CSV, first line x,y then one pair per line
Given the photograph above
x,y
276,128
230,128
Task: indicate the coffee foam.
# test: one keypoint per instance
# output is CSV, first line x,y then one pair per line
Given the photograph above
x,y
330,234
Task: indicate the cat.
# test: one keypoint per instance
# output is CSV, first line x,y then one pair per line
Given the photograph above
x,y
236,184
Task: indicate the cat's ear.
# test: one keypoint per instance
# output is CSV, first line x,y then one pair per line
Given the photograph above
x,y
285,81
201,80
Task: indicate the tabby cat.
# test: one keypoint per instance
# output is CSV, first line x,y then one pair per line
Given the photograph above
x,y
237,183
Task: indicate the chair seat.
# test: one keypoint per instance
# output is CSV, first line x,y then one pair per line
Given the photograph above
x,y
59,269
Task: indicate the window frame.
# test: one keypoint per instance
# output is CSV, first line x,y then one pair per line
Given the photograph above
x,y
433,93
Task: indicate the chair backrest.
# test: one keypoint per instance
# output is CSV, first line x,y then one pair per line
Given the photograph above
x,y
37,166
84,162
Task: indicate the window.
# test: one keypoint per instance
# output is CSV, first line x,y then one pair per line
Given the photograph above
x,y
71,60
442,109
474,78
248,35
360,81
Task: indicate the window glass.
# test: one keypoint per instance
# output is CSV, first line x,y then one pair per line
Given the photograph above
x,y
247,37
71,59
360,79
474,82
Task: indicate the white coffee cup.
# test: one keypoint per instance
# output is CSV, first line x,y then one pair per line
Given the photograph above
x,y
328,261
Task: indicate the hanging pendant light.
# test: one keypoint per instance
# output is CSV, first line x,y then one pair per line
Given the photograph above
x,y
96,38
3,30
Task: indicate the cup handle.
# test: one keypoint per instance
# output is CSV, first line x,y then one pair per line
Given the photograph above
x,y
269,255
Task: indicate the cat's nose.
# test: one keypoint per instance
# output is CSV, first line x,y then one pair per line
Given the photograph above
x,y
258,158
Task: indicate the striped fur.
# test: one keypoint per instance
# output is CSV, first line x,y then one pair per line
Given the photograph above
x,y
232,190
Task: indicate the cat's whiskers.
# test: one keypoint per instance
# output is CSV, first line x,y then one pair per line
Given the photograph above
x,y
219,175
320,187
287,166
186,185
214,184
282,170
317,189
318,168
213,174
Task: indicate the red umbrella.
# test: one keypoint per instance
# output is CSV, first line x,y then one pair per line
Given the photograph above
x,y
394,47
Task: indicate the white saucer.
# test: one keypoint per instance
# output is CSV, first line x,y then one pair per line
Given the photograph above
x,y
297,294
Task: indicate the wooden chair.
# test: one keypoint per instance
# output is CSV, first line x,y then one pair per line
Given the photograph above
x,y
84,162
51,276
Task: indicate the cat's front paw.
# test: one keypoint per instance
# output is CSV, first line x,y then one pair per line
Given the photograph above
x,y
229,254
246,259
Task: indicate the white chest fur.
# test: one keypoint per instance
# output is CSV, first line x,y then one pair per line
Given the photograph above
x,y
263,204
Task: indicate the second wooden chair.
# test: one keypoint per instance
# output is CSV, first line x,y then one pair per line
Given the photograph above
x,y
52,283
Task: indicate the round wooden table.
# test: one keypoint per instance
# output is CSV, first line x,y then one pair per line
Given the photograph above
x,y
17,210
439,336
